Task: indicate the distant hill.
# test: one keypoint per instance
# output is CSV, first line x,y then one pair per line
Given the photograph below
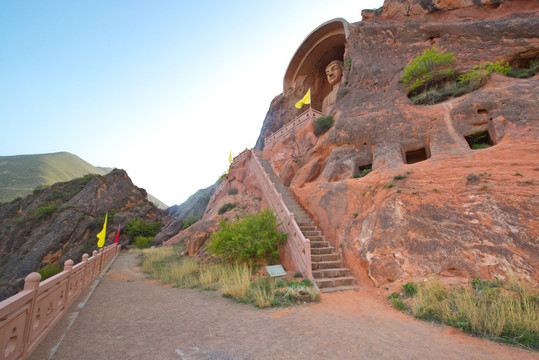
x,y
21,174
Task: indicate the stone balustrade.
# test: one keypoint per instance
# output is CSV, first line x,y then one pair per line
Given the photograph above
x,y
298,246
310,114
27,317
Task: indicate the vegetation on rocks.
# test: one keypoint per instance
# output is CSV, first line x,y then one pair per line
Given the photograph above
x,y
49,270
322,125
430,77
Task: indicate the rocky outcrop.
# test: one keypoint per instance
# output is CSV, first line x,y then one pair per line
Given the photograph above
x,y
61,222
431,205
174,216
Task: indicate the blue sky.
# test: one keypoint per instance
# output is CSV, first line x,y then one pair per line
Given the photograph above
x,y
162,89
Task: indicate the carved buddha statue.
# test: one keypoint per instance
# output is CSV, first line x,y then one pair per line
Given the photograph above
x,y
334,75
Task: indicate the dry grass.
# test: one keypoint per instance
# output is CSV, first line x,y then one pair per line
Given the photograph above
x,y
234,280
508,312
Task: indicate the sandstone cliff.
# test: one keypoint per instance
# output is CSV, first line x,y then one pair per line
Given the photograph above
x,y
61,222
458,213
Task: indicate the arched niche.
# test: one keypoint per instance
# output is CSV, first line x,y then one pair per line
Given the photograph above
x,y
307,67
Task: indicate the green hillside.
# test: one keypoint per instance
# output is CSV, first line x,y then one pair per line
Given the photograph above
x,y
21,174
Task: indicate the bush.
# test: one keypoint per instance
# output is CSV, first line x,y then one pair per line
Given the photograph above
x,y
49,271
139,227
409,289
363,173
427,71
252,238
480,73
45,211
322,125
190,220
233,191
525,73
228,206
142,242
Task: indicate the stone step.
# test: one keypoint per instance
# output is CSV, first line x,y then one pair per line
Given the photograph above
x,y
316,238
339,288
322,250
324,257
312,233
330,273
335,282
307,227
319,244
332,264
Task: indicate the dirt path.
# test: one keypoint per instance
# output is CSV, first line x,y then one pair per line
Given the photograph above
x,y
130,317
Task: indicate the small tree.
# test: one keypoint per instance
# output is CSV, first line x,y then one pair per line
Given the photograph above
x,y
428,70
255,237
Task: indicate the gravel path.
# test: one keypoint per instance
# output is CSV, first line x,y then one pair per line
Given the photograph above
x,y
130,317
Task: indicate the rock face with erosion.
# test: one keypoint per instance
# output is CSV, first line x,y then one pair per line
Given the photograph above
x,y
431,204
61,222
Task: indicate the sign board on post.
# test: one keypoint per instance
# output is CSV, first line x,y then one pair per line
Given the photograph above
x,y
275,271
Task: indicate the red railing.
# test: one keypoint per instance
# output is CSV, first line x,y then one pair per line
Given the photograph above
x,y
27,317
310,114
298,246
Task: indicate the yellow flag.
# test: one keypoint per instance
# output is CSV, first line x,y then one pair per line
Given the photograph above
x,y
230,157
306,99
102,234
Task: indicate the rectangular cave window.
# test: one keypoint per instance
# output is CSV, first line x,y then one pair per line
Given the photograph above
x,y
479,140
415,156
363,170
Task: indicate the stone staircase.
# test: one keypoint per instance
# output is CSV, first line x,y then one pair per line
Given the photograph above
x,y
328,271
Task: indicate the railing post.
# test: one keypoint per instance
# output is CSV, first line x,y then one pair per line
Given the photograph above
x,y
95,264
31,282
101,251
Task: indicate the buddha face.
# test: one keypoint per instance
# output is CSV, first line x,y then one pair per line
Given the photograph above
x,y
334,72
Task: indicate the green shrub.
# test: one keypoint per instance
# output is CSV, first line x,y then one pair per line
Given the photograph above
x,y
233,191
479,73
190,220
525,73
428,71
362,173
398,304
139,227
249,239
409,289
226,207
142,242
49,271
44,211
322,125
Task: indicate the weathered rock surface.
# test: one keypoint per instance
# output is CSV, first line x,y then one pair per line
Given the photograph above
x,y
174,216
61,222
459,213
239,191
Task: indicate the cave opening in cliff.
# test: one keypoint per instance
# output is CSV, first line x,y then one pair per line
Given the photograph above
x,y
363,170
415,156
479,140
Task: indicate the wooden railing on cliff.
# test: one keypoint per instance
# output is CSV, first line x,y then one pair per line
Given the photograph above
x,y
27,317
310,114
298,246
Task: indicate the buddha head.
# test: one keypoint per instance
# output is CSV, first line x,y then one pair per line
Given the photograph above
x,y
334,72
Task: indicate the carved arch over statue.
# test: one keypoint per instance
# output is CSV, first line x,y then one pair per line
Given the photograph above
x,y
307,67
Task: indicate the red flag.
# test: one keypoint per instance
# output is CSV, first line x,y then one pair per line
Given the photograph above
x,y
117,235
